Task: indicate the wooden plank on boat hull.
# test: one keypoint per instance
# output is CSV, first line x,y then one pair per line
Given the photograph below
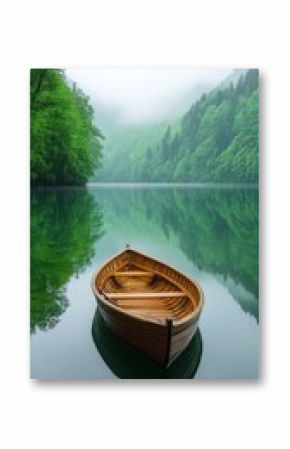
x,y
180,341
142,324
159,316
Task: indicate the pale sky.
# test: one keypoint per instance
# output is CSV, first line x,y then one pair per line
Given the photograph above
x,y
145,94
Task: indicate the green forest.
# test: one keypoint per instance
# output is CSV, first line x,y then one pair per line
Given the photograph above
x,y
65,143
217,140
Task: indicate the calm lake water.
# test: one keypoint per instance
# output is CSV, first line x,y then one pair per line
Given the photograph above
x,y
209,233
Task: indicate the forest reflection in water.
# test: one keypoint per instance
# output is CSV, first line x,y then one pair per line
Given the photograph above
x,y
73,231
65,225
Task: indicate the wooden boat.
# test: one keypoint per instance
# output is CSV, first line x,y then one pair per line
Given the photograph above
x,y
148,303
126,362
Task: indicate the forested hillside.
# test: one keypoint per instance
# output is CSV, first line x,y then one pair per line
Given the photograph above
x,y
126,144
217,140
65,144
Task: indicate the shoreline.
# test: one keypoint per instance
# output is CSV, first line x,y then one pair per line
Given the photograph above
x,y
172,184
151,185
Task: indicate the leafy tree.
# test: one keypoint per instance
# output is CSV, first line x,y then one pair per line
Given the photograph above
x,y
65,144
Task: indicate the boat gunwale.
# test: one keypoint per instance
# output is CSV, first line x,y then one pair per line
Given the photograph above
x,y
175,322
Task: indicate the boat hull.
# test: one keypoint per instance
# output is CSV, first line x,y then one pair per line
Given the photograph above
x,y
162,343
149,304
126,362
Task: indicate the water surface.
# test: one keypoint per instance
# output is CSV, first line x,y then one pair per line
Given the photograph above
x,y
210,233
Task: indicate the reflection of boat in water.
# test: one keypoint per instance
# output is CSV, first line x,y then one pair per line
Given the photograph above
x,y
149,304
126,362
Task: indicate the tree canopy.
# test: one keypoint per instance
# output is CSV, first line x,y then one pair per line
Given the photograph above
x,y
65,143
218,139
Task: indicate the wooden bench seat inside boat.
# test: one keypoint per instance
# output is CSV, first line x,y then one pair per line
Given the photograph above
x,y
133,273
146,295
143,293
